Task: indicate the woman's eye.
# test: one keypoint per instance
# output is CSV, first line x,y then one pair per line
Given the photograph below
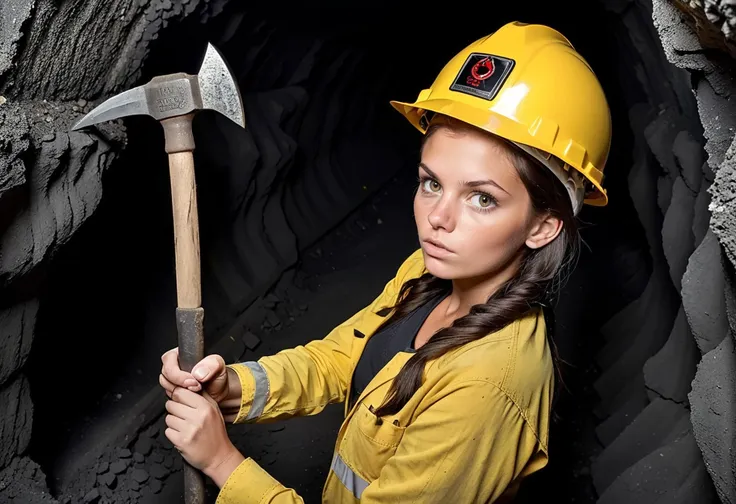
x,y
483,200
431,185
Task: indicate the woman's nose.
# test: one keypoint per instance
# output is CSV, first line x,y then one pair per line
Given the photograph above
x,y
442,216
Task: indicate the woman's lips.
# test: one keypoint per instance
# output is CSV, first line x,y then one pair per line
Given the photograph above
x,y
436,249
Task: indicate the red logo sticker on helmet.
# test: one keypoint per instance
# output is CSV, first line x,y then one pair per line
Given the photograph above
x,y
482,75
482,70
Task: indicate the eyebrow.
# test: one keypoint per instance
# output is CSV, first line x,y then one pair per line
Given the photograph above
x,y
472,183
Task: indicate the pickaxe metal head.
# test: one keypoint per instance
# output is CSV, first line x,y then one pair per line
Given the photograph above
x,y
178,94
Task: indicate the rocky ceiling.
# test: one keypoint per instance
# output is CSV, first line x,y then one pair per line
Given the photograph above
x,y
86,250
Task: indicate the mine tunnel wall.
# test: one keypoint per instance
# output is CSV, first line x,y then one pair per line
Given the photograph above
x,y
668,371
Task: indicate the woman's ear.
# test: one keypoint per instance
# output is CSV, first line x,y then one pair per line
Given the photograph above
x,y
544,229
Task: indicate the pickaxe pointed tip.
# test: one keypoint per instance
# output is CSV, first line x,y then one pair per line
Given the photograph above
x,y
131,102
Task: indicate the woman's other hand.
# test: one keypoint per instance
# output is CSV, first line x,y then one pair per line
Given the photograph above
x,y
210,372
196,428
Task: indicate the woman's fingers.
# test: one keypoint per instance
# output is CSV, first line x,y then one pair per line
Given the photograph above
x,y
185,401
174,436
179,409
173,373
176,423
166,385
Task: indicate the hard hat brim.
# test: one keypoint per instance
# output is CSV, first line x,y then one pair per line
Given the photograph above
x,y
498,124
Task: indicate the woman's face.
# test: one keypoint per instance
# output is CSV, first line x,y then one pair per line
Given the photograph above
x,y
473,212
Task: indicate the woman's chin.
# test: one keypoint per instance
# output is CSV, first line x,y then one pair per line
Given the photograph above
x,y
440,268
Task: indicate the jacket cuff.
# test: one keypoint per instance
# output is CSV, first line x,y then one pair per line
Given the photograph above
x,y
248,389
249,483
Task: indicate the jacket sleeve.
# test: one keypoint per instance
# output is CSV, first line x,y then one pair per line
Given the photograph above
x,y
303,380
470,445
251,484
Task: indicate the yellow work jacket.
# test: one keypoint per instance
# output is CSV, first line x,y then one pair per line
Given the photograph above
x,y
475,428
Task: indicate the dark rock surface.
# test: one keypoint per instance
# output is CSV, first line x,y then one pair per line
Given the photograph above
x,y
23,482
63,188
668,374
47,66
650,430
14,141
658,475
14,14
677,237
703,295
16,411
697,487
713,400
17,322
641,337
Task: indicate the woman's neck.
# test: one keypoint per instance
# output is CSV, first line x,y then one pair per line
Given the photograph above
x,y
467,292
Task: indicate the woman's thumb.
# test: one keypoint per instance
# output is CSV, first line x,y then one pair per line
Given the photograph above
x,y
212,366
201,372
207,367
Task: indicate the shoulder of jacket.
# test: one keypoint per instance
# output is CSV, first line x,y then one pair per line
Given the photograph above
x,y
493,356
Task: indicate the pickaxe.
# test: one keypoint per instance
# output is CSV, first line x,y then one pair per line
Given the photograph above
x,y
174,100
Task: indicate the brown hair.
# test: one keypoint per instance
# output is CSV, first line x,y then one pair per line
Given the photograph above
x,y
532,288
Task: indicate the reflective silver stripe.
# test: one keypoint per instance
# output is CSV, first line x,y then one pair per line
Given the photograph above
x,y
260,396
352,481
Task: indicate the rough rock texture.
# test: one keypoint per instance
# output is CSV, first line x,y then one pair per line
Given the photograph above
x,y
14,141
64,186
690,35
657,476
652,454
108,45
15,419
23,482
714,21
714,415
702,295
13,16
668,374
18,323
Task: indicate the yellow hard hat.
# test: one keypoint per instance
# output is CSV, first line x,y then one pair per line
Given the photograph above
x,y
527,84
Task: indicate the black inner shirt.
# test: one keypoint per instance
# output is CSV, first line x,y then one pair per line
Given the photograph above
x,y
389,341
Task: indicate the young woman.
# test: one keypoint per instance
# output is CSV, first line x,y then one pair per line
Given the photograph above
x,y
447,376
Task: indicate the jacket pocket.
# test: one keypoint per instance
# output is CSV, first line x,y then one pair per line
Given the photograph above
x,y
370,441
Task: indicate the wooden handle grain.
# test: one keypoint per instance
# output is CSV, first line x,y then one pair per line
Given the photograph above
x,y
186,229
188,283
179,146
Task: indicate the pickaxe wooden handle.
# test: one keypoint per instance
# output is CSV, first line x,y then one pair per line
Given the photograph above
x,y
189,313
